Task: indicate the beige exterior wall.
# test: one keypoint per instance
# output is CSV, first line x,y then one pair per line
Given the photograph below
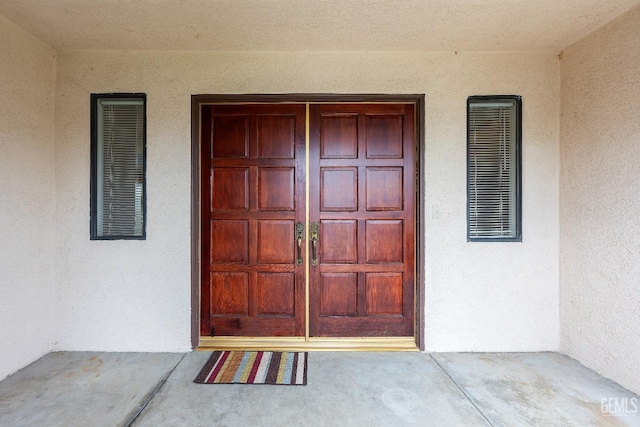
x,y
27,210
599,188
135,295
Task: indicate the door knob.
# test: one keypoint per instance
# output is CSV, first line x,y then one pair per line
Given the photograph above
x,y
299,236
313,237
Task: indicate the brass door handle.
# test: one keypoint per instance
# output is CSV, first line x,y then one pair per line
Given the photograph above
x,y
299,237
313,237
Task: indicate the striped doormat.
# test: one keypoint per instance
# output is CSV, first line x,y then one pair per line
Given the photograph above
x,y
254,367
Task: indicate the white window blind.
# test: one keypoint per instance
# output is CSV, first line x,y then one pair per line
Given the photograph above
x,y
119,168
493,169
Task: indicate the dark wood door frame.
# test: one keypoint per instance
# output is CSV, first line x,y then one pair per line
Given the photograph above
x,y
197,100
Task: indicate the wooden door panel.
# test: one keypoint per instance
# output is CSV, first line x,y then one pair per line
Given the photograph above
x,y
384,294
366,326
276,189
339,139
253,165
384,241
229,241
339,189
230,136
275,242
230,189
362,193
384,188
230,294
341,237
384,137
338,294
273,131
275,294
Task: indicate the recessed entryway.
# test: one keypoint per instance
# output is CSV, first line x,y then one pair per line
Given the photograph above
x,y
306,222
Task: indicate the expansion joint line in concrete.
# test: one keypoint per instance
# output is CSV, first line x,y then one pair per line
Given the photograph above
x,y
462,391
149,397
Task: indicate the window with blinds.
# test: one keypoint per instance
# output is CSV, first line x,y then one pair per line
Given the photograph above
x,y
118,162
494,140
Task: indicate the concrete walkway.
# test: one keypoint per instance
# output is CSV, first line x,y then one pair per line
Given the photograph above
x,y
344,389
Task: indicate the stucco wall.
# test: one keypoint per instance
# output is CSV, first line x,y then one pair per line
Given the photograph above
x,y
600,184
134,295
27,226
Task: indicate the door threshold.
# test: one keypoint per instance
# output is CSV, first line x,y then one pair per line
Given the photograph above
x,y
310,344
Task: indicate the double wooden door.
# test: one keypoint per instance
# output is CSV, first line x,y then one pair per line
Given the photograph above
x,y
308,220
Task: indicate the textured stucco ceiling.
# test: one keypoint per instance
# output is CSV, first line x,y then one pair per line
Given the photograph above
x,y
328,25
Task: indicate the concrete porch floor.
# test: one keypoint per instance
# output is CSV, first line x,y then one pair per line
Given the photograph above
x,y
344,389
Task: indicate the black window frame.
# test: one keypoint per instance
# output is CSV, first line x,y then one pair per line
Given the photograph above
x,y
517,99
93,227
